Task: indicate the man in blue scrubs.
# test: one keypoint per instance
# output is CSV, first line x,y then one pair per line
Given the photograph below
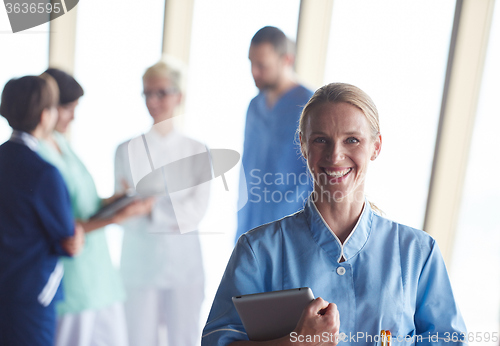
x,y
277,183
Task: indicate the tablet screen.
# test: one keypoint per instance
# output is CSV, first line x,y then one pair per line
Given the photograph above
x,y
114,207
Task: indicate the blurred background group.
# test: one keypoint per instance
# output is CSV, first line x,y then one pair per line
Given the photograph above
x,y
430,66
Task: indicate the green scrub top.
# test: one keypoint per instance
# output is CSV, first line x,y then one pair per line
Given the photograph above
x,y
90,280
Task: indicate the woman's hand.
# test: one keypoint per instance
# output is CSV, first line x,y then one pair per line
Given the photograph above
x,y
123,192
320,319
137,208
73,245
106,201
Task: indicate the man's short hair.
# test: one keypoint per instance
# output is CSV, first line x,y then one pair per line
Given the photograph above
x,y
277,38
25,98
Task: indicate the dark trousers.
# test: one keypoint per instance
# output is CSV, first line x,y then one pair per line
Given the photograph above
x,y
30,325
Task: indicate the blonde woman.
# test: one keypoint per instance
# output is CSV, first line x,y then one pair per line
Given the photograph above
x,y
161,257
371,273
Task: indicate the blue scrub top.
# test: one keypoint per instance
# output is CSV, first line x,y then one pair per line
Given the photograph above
x,y
276,176
393,278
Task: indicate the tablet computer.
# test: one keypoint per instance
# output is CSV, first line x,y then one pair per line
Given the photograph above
x,y
114,207
271,315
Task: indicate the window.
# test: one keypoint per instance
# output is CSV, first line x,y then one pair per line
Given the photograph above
x,y
397,52
115,42
114,46
220,88
23,53
476,257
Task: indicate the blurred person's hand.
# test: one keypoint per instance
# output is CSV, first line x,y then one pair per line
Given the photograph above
x,y
118,195
73,245
107,201
137,208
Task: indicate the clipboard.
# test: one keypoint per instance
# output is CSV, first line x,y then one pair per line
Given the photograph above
x,y
111,209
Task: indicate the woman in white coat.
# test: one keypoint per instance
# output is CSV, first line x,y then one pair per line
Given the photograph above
x,y
161,260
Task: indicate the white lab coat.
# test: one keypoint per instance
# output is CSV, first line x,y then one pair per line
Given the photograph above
x,y
161,251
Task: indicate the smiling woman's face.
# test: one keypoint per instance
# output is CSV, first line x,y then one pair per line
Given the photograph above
x,y
338,145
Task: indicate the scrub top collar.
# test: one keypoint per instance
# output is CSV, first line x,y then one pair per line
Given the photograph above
x,y
24,138
159,138
287,94
329,242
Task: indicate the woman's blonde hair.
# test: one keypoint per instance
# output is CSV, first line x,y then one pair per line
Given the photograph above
x,y
342,92
169,68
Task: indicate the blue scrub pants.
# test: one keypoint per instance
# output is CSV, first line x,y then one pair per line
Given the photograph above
x,y
27,325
